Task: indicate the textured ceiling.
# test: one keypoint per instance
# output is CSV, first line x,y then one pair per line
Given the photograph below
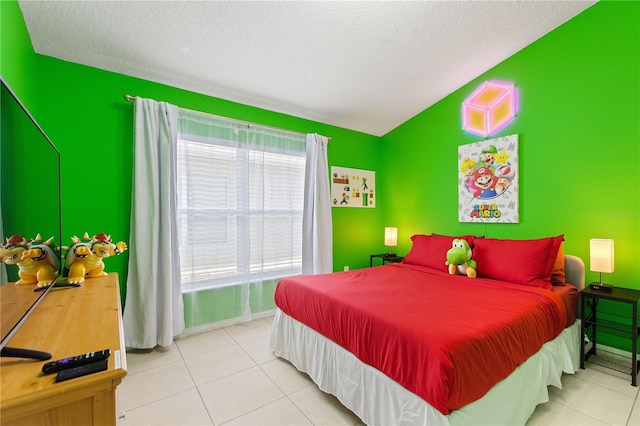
x,y
366,66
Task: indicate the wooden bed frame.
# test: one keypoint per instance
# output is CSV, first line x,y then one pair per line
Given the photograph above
x,y
377,399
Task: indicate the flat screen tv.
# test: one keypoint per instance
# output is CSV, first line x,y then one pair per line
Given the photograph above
x,y
30,205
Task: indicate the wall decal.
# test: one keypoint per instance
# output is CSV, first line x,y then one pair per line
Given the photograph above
x,y
352,187
488,181
490,107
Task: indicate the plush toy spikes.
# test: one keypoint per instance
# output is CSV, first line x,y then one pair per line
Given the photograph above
x,y
76,240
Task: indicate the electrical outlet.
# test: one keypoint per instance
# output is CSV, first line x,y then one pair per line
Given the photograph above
x,y
346,268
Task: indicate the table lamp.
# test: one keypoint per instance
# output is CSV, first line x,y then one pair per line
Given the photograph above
x,y
602,260
390,238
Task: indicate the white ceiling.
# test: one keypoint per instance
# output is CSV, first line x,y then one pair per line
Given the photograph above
x,y
366,66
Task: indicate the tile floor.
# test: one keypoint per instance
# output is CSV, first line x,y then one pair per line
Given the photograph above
x,y
230,376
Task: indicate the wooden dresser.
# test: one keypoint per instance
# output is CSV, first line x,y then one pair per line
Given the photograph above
x,y
69,321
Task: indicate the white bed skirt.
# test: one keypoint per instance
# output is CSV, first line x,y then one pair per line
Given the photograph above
x,y
378,400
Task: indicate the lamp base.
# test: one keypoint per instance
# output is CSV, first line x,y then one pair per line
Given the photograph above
x,y
601,287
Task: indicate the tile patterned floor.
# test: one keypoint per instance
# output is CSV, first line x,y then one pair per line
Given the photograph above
x,y
230,376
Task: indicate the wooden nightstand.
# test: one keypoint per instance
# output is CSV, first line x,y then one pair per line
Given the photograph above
x,y
591,322
386,258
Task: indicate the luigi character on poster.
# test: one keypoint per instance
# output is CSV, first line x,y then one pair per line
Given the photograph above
x,y
488,181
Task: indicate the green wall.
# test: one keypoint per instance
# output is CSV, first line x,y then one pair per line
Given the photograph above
x,y
579,145
84,112
17,57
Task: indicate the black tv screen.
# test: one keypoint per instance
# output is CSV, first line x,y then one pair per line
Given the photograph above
x,y
30,206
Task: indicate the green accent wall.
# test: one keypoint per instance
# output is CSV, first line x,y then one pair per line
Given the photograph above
x,y
579,146
83,111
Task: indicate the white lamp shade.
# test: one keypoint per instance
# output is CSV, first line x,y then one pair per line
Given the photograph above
x,y
390,236
601,255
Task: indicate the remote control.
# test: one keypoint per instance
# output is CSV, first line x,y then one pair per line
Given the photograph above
x,y
82,370
75,361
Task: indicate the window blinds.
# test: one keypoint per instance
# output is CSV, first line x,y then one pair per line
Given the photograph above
x,y
240,202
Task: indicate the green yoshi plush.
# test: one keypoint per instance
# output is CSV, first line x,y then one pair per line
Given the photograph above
x,y
459,259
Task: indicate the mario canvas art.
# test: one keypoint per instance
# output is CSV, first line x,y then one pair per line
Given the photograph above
x,y
488,181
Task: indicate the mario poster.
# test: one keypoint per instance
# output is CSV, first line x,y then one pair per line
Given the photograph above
x,y
353,187
488,181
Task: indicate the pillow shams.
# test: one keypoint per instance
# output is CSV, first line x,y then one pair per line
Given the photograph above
x,y
528,262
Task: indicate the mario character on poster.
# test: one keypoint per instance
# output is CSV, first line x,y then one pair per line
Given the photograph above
x,y
488,181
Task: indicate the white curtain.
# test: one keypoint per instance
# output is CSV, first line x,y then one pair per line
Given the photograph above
x,y
153,313
240,203
317,236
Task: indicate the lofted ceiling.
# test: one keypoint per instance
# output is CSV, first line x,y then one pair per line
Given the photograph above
x,y
362,65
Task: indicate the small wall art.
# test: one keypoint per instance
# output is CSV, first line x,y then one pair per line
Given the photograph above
x,y
353,187
488,181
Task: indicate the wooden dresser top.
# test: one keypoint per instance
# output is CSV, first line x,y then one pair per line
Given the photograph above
x,y
69,321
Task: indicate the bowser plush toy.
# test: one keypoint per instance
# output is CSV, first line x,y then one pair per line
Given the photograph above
x,y
36,260
459,259
85,257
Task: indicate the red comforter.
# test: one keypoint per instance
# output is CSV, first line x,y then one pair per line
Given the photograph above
x,y
448,339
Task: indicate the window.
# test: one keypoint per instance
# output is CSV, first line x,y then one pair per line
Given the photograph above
x,y
240,202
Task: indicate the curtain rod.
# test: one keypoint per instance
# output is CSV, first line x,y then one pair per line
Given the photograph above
x,y
130,98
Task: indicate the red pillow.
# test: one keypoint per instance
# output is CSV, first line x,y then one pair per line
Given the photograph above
x,y
431,250
528,262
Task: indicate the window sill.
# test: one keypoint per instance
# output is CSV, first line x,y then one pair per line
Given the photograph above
x,y
238,281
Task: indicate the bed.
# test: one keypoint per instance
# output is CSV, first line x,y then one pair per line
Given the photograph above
x,y
409,343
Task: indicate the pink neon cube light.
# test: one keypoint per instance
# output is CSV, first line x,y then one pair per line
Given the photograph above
x,y
489,108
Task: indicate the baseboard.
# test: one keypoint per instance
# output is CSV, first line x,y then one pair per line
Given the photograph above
x,y
226,323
